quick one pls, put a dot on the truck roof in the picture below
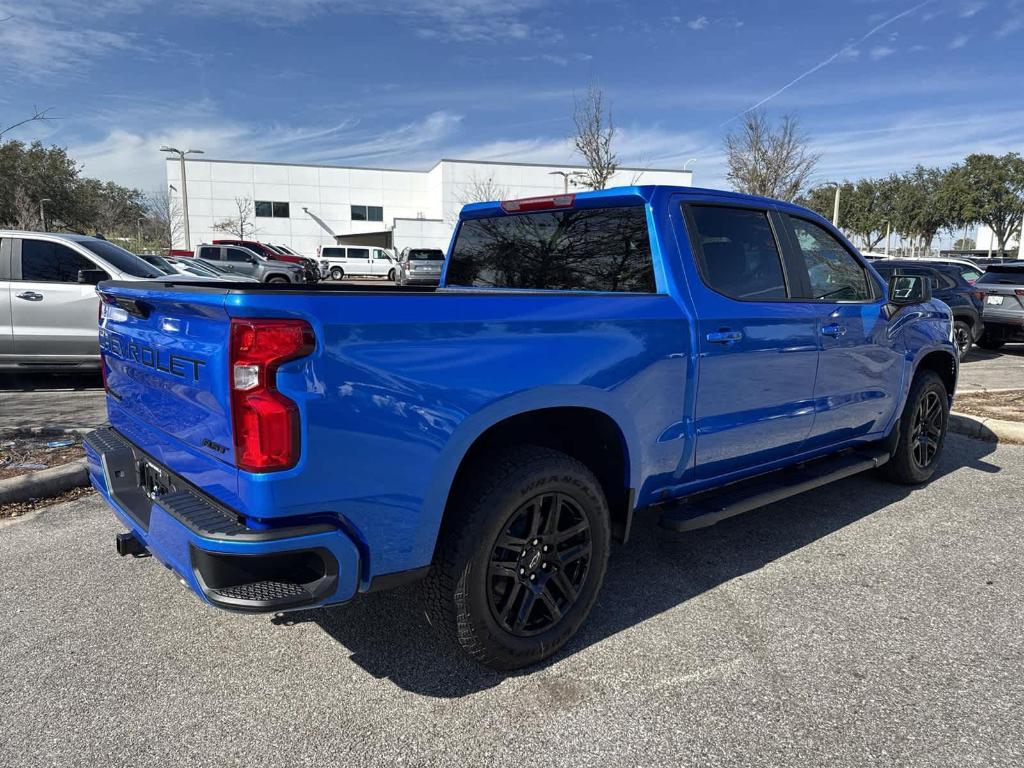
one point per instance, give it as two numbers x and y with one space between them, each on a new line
647 191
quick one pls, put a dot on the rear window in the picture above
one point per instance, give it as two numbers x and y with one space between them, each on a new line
120 259
593 249
332 253
1003 276
426 254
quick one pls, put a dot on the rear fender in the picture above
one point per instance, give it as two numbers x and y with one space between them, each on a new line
475 425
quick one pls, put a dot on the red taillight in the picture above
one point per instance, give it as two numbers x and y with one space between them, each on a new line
266 423
538 203
979 295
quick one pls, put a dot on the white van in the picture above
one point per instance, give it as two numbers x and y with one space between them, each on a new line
339 261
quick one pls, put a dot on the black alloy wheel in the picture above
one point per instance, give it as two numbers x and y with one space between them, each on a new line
538 564
926 432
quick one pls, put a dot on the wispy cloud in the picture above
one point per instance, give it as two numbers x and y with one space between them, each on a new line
881 51
701 22
972 9
838 54
958 42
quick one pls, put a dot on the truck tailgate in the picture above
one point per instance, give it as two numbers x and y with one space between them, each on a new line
166 363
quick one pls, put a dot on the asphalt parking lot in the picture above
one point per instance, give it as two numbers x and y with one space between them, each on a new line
859 624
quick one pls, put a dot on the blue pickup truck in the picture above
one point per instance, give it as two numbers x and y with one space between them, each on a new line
686 353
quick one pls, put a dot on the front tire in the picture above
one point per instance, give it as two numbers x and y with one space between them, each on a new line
963 338
989 342
521 557
391 275
922 431
277 279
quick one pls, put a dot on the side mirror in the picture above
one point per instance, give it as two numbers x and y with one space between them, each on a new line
92 276
905 290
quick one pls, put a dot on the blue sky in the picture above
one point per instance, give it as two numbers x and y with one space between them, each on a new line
879 85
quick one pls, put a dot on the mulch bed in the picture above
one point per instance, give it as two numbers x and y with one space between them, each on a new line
1008 406
22 455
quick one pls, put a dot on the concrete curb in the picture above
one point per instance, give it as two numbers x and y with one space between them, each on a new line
49 431
994 430
45 482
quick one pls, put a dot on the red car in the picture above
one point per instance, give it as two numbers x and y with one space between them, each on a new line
269 252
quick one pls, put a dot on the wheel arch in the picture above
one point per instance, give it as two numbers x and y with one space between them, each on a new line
585 423
943 363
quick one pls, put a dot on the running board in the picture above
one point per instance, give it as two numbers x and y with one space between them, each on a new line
710 507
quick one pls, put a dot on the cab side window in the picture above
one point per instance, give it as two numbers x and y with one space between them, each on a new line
835 274
46 262
236 254
739 257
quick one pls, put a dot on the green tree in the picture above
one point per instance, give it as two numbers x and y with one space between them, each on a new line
988 189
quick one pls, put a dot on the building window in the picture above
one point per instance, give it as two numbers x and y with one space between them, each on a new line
266 209
367 213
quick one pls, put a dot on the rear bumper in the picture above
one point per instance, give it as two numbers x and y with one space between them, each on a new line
226 562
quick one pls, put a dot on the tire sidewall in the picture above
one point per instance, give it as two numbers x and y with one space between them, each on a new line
472 604
961 325
929 382
337 273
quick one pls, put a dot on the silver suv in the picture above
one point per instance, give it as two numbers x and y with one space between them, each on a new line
48 290
238 260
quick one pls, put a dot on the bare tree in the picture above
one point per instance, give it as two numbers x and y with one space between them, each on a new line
241 225
37 115
26 212
595 134
767 161
478 190
165 224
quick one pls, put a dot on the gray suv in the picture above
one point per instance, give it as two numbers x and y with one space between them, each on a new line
48 290
238 260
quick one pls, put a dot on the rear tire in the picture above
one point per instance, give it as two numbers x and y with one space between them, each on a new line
987 341
277 279
963 338
521 557
337 273
391 275
922 431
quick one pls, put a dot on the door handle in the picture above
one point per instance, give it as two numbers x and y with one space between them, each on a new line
30 296
835 330
724 337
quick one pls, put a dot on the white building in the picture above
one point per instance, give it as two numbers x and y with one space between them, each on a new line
305 206
986 240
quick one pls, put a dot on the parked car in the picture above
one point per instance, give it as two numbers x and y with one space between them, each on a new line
209 270
285 249
420 266
686 353
48 300
948 284
271 253
236 260
158 261
338 262
968 269
1004 304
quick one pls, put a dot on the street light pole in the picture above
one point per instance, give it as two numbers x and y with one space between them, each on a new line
691 160
835 207
566 175
888 232
42 211
184 188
